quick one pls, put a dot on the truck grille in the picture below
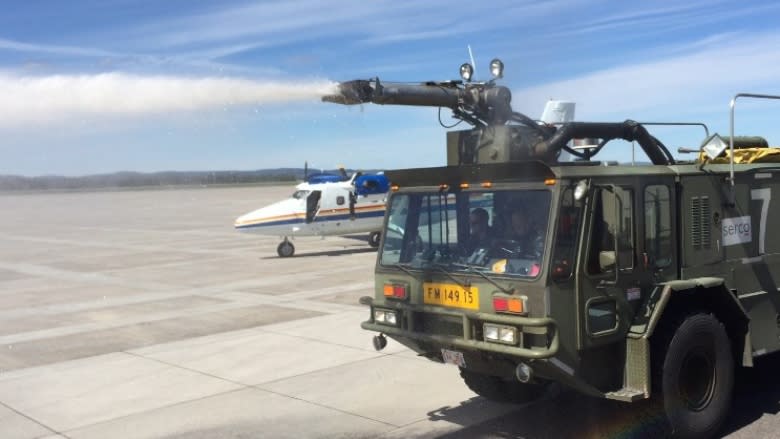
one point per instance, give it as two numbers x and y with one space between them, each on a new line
438 324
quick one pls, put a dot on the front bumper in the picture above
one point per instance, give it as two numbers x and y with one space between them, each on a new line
406 328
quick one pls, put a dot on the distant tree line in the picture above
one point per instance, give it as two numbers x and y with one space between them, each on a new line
139 179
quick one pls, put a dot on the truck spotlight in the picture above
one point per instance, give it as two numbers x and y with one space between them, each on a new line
497 68
466 71
523 373
580 190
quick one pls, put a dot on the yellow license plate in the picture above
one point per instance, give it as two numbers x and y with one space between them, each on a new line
450 295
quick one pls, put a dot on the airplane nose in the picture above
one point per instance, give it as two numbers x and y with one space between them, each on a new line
243 219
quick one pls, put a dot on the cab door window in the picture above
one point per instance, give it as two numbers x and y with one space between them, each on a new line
658 226
612 232
566 236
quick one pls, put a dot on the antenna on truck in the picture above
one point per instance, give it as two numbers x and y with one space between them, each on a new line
471 57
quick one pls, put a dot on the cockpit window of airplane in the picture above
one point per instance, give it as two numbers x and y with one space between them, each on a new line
299 195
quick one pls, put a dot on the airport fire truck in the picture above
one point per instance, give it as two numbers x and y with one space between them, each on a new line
525 261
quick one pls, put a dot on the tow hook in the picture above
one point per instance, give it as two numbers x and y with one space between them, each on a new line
379 342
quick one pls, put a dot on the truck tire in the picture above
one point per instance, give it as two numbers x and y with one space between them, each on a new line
694 375
499 390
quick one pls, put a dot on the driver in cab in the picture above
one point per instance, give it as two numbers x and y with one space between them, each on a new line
524 239
480 236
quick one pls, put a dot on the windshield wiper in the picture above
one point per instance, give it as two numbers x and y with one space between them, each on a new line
471 269
441 268
404 267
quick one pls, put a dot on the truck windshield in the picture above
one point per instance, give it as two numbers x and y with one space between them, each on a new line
501 231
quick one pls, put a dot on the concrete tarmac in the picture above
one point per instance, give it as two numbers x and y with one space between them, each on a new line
143 314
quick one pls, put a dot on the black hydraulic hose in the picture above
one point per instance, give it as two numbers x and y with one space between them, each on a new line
628 130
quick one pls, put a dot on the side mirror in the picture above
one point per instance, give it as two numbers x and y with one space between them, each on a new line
607 260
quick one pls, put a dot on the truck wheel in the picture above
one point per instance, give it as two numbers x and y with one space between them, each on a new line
696 378
497 389
374 238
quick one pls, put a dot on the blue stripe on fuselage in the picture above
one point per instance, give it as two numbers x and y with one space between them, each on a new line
319 219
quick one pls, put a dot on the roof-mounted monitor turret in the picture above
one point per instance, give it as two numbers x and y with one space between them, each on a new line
498 133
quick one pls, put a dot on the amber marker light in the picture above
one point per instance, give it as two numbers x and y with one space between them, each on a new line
464 185
549 181
486 184
444 187
515 305
395 188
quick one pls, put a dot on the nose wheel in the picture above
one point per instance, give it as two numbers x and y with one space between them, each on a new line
285 249
373 239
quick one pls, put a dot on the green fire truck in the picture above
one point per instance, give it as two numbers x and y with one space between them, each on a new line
621 282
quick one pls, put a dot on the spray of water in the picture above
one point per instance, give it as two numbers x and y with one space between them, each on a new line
59 97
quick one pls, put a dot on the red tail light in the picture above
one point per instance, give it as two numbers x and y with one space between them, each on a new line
500 304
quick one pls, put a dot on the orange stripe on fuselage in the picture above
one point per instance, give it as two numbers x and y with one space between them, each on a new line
325 213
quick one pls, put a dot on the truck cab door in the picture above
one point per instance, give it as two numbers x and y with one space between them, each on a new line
612 276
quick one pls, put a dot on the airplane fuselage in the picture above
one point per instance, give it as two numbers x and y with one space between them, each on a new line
332 215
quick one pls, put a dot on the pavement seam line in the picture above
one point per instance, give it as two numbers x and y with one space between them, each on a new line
303 337
178 366
129 415
319 370
368 418
30 418
257 386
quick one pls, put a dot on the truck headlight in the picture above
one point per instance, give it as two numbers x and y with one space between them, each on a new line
500 333
507 335
386 317
491 332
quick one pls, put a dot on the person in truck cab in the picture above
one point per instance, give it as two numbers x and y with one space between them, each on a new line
523 237
480 235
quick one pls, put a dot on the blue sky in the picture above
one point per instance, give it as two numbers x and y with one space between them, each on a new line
95 86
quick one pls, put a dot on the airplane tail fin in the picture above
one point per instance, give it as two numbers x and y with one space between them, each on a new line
559 112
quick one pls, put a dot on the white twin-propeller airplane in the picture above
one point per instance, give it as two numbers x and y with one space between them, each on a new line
335 205
323 205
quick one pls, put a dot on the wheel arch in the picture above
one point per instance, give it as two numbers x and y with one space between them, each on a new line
705 294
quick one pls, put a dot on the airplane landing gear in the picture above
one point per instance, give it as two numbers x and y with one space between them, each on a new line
374 238
285 249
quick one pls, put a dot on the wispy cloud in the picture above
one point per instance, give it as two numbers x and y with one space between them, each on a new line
275 23
19 46
650 19
62 97
704 77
